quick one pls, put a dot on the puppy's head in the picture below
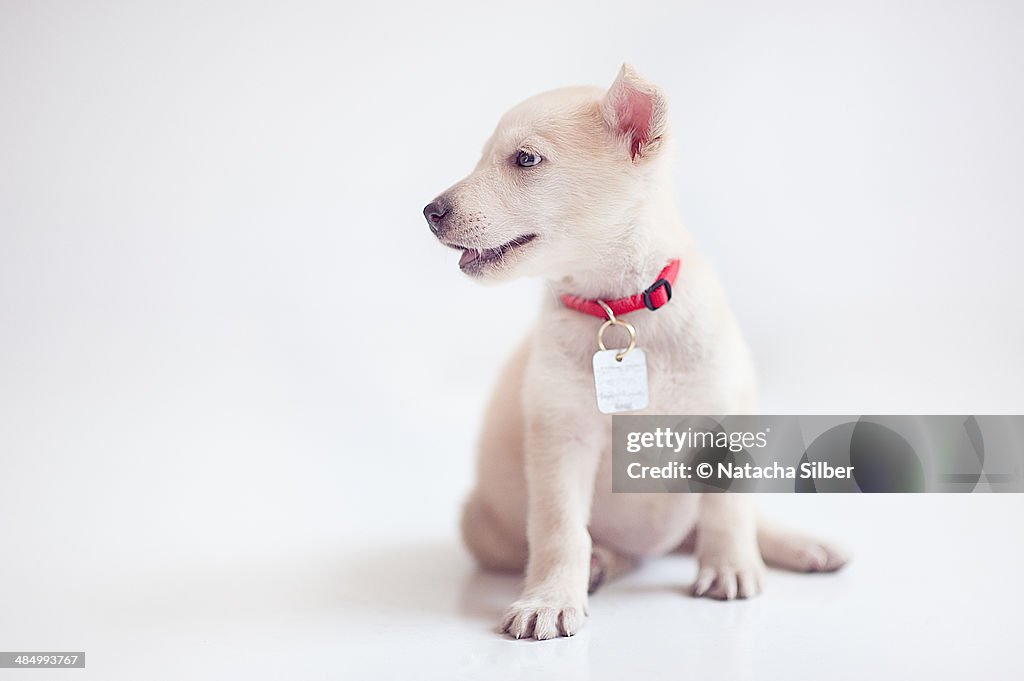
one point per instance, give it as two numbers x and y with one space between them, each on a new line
560 180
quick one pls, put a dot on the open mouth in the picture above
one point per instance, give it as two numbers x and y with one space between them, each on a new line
475 259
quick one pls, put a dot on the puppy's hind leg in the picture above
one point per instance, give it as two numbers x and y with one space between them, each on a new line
607 565
798 552
494 517
493 546
496 548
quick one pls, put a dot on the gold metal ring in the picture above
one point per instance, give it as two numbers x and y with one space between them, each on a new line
617 322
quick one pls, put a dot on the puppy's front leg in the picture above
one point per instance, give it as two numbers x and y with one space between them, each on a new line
562 453
727 549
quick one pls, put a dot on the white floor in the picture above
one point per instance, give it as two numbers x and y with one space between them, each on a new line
935 592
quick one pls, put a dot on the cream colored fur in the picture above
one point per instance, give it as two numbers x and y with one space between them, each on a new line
605 224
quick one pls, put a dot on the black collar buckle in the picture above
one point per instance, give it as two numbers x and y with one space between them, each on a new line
648 303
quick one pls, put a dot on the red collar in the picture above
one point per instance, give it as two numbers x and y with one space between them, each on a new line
652 297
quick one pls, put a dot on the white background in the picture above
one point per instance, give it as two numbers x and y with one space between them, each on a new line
240 382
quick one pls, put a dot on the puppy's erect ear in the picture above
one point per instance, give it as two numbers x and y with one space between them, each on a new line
636 110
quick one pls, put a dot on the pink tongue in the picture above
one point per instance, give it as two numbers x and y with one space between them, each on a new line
468 256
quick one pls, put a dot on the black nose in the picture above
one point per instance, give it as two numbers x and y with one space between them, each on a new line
435 213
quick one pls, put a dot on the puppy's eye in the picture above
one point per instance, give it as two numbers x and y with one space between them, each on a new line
527 159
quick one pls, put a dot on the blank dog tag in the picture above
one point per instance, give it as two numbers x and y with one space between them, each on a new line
621 386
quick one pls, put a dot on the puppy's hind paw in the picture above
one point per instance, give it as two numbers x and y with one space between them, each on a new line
542 618
814 556
800 553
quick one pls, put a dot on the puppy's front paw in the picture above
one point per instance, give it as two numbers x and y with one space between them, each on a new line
728 576
544 617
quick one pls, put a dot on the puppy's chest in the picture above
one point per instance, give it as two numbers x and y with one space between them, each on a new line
673 366
669 380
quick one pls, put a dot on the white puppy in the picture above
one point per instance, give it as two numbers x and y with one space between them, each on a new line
575 186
